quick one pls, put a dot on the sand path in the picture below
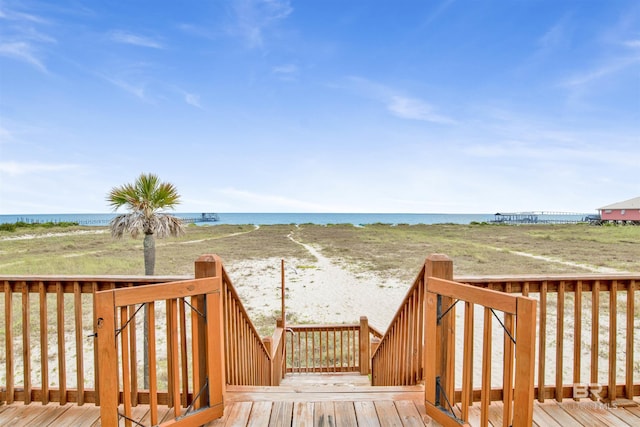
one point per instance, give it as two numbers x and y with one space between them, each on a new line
324 291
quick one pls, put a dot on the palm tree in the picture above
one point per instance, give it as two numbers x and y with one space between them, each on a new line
146 199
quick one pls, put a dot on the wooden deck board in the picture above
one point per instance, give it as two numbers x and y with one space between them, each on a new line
346 414
626 416
324 414
302 414
387 413
75 415
260 414
366 414
281 414
239 414
541 418
339 412
559 414
408 413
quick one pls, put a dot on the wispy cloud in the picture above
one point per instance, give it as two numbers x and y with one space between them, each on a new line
633 44
557 36
5 135
415 109
399 104
618 50
286 71
21 40
126 37
137 90
192 99
439 10
254 17
23 51
13 15
603 70
25 168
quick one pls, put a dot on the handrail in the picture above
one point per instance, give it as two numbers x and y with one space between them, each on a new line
60 300
323 348
248 361
69 300
199 388
397 359
519 315
594 300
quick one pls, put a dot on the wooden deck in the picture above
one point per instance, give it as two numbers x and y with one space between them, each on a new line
327 400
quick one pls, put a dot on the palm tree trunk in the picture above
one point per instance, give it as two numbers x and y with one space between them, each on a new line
149 268
149 254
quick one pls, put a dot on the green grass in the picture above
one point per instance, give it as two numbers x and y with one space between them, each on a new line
393 251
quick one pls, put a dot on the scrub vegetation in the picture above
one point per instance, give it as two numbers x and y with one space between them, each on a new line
389 250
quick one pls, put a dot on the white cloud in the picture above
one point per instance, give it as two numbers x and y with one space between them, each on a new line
415 109
633 44
398 104
136 90
25 168
286 71
192 99
5 135
254 17
21 38
134 39
555 37
602 71
23 51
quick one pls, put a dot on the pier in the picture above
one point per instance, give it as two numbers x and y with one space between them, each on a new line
543 217
69 219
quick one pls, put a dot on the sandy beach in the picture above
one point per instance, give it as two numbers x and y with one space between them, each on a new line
324 291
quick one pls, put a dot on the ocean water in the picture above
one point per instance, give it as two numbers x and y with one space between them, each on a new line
274 218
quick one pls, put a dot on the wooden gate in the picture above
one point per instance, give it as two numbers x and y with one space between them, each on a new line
202 369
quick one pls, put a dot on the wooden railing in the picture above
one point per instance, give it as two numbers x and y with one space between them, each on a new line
398 359
195 353
328 348
518 351
595 315
574 330
248 361
44 362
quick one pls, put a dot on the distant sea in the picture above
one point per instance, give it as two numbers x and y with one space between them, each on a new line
288 218
273 218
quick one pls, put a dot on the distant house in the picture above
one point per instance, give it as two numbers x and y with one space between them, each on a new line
629 210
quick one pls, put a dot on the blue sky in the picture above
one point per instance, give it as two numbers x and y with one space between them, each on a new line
320 105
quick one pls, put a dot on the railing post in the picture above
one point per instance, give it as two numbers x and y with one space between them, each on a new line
441 266
525 362
215 367
107 354
205 266
365 350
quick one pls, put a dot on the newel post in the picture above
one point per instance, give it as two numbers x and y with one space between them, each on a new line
365 349
525 362
439 333
208 266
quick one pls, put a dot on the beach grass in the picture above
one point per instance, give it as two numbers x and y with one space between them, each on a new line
394 251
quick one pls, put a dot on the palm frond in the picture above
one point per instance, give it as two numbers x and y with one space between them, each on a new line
131 223
145 199
167 225
147 194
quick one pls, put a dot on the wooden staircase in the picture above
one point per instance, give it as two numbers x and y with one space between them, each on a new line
325 399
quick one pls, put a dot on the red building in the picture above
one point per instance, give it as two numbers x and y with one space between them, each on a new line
629 210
